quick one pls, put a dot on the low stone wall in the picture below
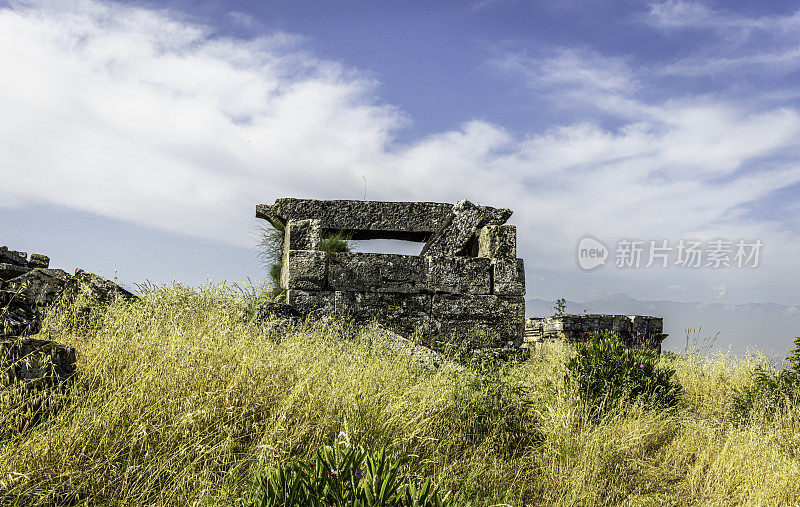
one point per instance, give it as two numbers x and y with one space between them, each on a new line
638 331
467 280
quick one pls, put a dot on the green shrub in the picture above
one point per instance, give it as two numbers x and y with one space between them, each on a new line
341 476
605 372
769 391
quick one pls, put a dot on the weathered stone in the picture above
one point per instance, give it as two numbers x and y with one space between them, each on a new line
304 269
17 316
39 261
13 257
361 272
425 357
404 313
460 226
497 319
637 331
302 235
40 286
100 289
311 304
508 277
9 271
459 275
272 310
498 242
414 221
35 362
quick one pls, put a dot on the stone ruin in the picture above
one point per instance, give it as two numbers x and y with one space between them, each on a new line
28 287
466 282
637 331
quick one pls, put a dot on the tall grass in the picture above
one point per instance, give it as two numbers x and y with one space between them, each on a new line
180 398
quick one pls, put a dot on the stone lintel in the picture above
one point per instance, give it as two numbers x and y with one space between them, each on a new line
371 272
412 221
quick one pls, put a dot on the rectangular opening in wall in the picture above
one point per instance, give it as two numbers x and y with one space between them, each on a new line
386 246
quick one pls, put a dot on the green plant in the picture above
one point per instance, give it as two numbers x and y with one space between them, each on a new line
560 307
769 391
335 242
341 475
270 246
605 371
271 250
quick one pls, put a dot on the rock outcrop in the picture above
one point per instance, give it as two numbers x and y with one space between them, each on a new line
28 287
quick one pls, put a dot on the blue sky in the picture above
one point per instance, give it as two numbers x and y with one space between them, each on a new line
136 138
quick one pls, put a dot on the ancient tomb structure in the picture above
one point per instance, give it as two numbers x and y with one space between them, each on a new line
466 281
636 331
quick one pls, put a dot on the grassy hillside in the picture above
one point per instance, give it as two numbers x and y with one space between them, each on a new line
180 399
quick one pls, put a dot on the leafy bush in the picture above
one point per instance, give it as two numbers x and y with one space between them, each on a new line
770 391
341 476
605 371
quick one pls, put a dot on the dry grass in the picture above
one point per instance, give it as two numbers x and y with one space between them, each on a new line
180 398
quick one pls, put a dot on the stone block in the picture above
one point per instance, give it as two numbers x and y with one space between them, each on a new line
9 271
370 272
40 287
498 242
311 304
13 257
508 277
404 313
302 235
459 275
414 221
304 269
497 319
39 261
460 226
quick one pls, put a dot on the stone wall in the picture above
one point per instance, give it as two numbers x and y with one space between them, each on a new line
467 281
637 331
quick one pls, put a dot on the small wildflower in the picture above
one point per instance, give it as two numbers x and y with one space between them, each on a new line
359 473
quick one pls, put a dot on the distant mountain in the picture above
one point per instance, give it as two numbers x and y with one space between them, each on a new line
768 327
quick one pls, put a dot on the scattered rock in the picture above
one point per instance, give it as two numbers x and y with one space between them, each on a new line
271 310
37 363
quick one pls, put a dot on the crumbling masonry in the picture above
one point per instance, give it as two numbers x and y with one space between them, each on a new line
467 280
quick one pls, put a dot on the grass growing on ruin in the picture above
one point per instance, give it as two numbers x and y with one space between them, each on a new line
180 399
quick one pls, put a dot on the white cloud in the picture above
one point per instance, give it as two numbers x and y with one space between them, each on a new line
143 116
676 287
761 44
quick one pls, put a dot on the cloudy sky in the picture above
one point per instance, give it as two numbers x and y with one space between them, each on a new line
136 138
